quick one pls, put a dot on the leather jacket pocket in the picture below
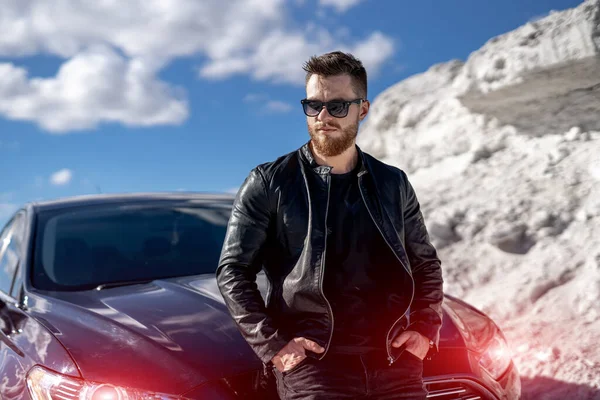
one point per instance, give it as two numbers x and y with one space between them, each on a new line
410 355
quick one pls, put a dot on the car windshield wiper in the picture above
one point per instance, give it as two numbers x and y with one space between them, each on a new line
124 283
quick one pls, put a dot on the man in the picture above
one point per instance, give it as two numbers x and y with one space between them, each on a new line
354 304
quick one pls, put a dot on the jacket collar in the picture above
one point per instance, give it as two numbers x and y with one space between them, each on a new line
307 156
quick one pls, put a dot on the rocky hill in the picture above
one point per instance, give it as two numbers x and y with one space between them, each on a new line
504 152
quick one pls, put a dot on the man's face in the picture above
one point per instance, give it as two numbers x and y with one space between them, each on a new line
330 135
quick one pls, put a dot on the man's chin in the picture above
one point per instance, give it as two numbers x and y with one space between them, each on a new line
329 148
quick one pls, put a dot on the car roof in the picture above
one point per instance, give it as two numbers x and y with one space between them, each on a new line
128 198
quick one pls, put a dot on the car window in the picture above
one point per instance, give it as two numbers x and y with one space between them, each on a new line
83 248
10 245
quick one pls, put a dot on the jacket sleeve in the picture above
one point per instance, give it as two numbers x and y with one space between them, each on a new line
426 308
241 261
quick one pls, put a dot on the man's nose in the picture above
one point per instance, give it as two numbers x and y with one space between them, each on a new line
324 115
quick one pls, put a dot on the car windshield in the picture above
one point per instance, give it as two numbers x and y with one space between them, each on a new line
82 248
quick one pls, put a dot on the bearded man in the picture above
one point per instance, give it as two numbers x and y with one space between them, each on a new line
355 285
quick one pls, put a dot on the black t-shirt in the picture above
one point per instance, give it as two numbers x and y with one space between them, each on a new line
356 261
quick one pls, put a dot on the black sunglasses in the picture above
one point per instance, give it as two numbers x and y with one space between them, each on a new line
335 108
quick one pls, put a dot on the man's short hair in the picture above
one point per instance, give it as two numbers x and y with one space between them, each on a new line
339 63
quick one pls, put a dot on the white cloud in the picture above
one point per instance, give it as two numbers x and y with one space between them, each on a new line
262 102
224 68
340 5
280 55
162 29
114 50
252 97
62 177
278 106
95 86
374 51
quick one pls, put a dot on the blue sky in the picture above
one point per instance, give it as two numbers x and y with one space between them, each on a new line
129 97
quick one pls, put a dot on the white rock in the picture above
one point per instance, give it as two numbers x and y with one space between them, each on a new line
594 168
582 216
525 169
557 155
573 134
541 219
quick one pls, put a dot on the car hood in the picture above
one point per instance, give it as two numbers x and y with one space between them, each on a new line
166 336
176 334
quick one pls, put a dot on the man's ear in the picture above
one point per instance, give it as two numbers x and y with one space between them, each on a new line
364 109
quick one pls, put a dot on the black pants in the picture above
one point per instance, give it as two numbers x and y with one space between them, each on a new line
341 376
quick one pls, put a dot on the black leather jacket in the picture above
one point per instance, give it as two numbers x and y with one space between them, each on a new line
278 224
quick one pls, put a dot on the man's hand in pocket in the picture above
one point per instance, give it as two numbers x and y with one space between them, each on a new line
416 343
294 352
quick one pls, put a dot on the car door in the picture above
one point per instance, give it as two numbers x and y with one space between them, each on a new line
10 254
11 355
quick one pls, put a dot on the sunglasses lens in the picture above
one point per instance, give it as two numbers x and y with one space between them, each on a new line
337 109
312 108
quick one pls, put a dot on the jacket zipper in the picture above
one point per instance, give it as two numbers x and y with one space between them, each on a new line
323 269
387 346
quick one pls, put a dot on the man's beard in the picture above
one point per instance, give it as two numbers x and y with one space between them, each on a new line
328 146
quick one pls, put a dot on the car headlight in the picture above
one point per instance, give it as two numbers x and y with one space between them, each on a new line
496 358
47 385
